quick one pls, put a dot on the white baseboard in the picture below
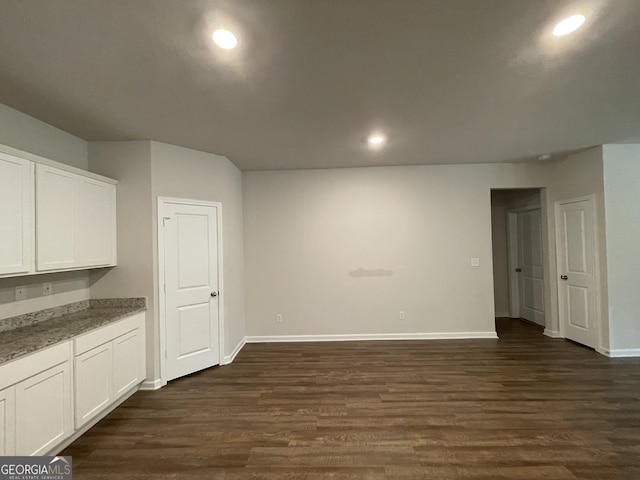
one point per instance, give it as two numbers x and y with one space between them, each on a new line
371 336
152 384
230 358
552 333
621 352
501 314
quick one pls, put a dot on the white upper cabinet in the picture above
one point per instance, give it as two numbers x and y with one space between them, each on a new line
95 215
16 215
53 217
75 219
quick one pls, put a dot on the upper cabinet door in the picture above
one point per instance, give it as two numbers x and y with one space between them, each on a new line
95 222
55 219
16 215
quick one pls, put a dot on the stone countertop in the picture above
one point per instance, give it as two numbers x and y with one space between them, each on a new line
32 337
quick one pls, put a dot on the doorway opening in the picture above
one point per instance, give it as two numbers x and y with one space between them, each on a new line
518 263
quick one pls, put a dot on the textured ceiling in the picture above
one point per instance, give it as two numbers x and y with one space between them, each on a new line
449 81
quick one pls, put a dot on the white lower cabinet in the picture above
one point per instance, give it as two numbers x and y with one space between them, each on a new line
36 410
128 361
109 362
43 410
8 421
93 382
44 394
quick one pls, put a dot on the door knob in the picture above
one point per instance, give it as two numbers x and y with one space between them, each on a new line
214 294
564 277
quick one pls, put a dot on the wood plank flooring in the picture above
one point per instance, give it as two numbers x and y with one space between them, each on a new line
521 407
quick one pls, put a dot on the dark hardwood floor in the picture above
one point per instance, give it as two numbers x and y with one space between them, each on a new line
521 407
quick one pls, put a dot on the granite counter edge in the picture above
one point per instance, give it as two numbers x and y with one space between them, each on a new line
84 327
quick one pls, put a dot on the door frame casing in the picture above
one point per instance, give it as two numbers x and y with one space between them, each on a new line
512 257
596 266
162 301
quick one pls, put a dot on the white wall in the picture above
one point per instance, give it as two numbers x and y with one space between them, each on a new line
185 173
23 132
145 171
26 133
66 287
344 251
130 164
622 206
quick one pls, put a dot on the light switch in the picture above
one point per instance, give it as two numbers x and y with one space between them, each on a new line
475 262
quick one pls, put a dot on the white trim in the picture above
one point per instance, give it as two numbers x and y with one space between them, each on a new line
153 384
512 262
502 314
620 352
230 358
552 333
162 201
371 336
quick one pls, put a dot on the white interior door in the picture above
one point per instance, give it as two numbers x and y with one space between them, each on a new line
530 274
189 237
576 262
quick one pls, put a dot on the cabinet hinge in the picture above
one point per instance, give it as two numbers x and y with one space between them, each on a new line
164 220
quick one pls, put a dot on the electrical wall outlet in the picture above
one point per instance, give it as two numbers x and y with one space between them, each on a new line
47 289
21 293
278 318
475 262
401 315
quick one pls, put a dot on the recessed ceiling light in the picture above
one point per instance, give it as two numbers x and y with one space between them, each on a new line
225 39
568 25
376 140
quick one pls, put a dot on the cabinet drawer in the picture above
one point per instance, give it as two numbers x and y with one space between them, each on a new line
105 334
25 367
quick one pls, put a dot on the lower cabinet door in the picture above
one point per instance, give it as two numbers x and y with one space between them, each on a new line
8 422
128 362
93 383
43 410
